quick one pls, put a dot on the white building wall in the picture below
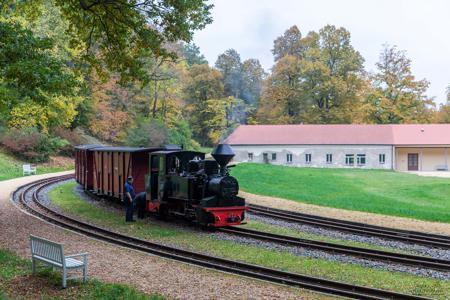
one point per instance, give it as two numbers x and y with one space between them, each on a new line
318 155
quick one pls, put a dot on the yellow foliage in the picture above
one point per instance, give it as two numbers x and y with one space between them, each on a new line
60 112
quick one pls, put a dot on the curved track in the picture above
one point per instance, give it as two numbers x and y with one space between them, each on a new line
414 237
28 198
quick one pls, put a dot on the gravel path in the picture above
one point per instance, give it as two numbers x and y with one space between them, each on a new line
147 273
342 214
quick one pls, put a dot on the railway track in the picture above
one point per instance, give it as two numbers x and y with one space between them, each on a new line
28 198
379 255
414 237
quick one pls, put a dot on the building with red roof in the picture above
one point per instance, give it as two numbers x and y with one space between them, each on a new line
413 147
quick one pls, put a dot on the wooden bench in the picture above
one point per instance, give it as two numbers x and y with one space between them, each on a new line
28 170
51 253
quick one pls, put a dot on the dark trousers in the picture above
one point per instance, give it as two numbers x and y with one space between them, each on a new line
140 205
129 211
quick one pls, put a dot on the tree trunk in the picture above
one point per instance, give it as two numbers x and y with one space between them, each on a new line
155 100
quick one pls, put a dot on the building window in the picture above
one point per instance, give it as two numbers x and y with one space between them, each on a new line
349 159
289 158
265 157
361 159
274 156
250 156
308 158
382 158
329 158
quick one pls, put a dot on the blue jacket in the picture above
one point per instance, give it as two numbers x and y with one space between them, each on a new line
129 189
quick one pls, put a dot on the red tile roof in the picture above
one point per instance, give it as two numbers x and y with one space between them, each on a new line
348 134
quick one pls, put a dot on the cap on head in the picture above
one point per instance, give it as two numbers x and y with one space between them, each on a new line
130 178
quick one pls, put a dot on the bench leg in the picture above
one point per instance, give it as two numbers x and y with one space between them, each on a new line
64 279
85 273
33 266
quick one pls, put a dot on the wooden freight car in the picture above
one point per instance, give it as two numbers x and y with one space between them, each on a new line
113 165
84 165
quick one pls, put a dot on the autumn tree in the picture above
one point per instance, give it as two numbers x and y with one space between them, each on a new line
316 79
229 63
37 89
192 55
397 96
280 101
253 75
443 114
290 43
111 106
118 34
206 103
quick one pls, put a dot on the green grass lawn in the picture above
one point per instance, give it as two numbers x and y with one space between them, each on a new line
377 191
47 284
65 197
11 167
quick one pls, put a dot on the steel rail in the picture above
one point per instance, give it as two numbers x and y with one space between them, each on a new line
384 256
415 237
235 267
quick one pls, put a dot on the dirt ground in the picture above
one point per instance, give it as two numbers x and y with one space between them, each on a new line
149 274
356 216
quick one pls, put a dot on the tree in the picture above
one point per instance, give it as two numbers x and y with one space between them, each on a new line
36 87
118 34
206 105
252 79
191 52
443 115
397 96
111 108
288 44
332 73
316 79
229 63
242 82
152 133
280 100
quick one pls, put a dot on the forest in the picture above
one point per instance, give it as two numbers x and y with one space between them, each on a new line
128 73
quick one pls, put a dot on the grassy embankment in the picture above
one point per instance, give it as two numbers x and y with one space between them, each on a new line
15 273
199 241
11 167
377 191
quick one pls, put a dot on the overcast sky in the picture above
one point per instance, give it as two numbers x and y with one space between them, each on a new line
421 27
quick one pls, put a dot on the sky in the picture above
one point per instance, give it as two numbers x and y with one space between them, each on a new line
421 27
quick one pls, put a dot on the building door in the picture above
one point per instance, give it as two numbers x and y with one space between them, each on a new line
413 161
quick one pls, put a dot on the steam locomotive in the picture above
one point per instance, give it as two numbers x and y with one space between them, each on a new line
176 182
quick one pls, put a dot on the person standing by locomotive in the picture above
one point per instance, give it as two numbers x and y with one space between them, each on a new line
130 194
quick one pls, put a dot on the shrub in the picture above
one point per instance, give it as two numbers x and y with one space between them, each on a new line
31 145
71 136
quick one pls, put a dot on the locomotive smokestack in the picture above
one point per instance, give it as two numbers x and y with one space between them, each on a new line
222 154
